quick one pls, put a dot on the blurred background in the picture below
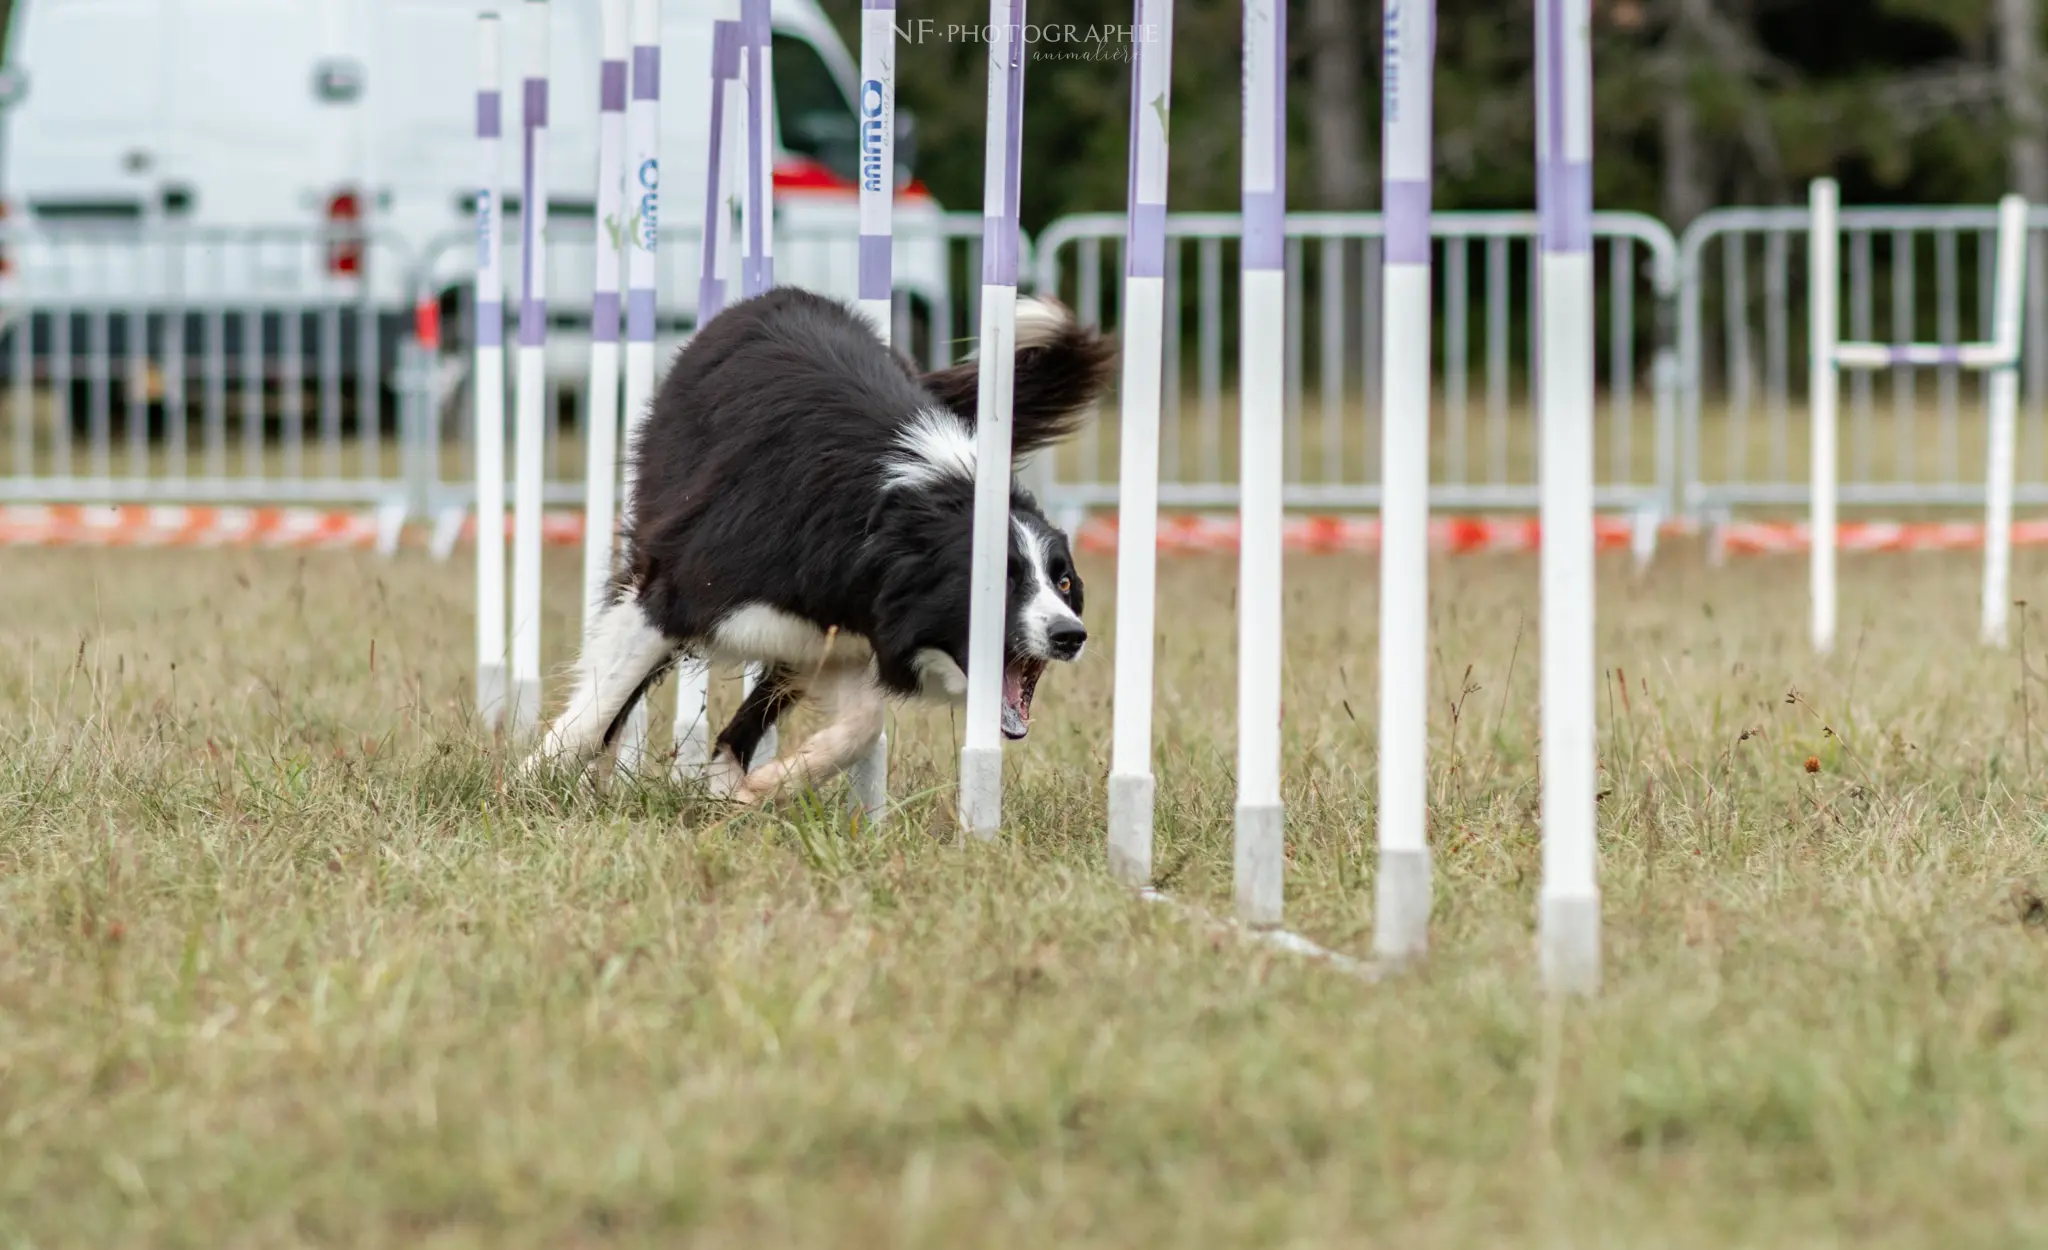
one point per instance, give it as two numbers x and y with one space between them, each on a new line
237 238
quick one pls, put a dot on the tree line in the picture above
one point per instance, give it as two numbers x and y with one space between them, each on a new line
1698 103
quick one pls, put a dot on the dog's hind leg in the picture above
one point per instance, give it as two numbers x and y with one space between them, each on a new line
854 703
778 690
623 654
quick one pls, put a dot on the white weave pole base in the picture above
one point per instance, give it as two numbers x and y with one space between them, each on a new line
1279 939
1130 824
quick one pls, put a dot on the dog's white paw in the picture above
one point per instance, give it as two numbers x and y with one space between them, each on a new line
723 776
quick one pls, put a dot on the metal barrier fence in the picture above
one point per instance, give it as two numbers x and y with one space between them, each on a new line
1484 453
165 365
936 318
1907 439
177 365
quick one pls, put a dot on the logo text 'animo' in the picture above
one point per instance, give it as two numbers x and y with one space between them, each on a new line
872 132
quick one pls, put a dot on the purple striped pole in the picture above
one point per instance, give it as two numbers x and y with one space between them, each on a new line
1144 342
877 121
717 241
1824 290
531 415
692 724
1260 828
601 423
1568 916
1401 883
757 271
489 372
981 752
757 205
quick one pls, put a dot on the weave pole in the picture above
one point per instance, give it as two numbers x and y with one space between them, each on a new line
601 420
1131 783
692 727
1402 882
530 436
1824 383
869 776
715 267
757 215
1258 854
1568 916
489 374
981 751
643 219
2010 306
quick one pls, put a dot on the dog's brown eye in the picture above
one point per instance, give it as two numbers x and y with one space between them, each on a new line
1066 584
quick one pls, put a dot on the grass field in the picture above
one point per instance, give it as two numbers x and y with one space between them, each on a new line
286 958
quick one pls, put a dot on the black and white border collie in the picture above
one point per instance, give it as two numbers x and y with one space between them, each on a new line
805 501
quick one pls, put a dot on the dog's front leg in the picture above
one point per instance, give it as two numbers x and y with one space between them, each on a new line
622 654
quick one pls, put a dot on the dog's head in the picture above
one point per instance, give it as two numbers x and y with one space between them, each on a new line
1063 370
1042 617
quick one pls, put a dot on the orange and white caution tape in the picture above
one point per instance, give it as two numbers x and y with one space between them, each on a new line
156 525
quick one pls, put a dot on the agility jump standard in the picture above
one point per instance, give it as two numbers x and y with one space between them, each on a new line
1829 356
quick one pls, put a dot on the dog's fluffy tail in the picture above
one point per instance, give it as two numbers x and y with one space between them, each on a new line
1063 370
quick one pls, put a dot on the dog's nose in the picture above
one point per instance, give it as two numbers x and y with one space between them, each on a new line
1065 638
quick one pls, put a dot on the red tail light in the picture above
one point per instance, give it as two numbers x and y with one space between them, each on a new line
344 254
6 257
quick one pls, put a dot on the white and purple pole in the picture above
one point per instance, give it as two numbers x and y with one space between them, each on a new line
643 218
489 372
715 265
757 273
981 751
1402 883
601 473
529 440
1568 913
692 725
1259 859
1144 341
870 774
1824 293
2009 309
757 210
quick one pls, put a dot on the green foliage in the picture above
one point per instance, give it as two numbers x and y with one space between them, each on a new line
1889 95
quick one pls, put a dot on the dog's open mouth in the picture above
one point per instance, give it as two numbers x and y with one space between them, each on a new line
1020 678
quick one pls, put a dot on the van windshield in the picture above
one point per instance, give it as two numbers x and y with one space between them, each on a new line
812 111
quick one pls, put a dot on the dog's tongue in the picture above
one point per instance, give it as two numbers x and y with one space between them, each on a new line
1016 705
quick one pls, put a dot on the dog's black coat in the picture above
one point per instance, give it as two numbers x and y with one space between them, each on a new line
763 476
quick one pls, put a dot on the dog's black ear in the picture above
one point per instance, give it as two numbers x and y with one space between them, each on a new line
1063 370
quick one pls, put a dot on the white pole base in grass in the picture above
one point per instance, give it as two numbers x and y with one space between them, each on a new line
1279 939
1259 863
490 694
869 778
981 791
1130 828
1568 942
1400 927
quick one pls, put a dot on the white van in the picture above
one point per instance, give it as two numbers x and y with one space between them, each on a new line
251 129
